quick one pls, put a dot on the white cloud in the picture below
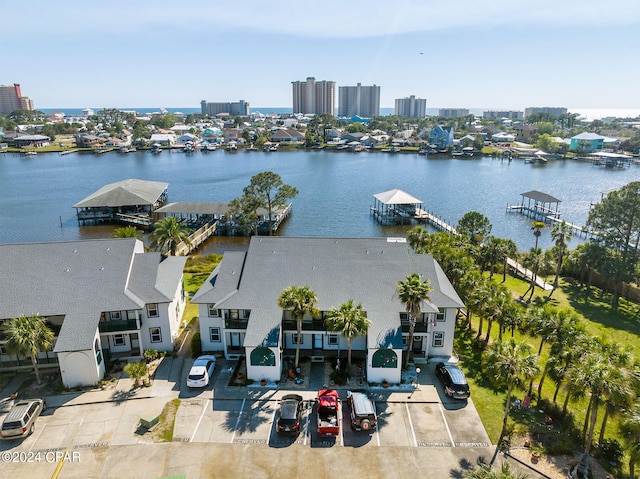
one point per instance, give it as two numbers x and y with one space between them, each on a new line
327 19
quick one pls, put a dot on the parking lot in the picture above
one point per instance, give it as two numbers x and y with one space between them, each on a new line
246 417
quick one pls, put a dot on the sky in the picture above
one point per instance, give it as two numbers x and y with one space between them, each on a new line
495 54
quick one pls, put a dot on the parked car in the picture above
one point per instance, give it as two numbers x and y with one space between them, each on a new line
362 411
453 380
201 372
290 414
328 412
20 421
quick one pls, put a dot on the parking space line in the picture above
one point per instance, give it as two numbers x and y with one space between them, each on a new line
33 442
204 409
413 433
377 431
233 436
446 424
306 423
273 418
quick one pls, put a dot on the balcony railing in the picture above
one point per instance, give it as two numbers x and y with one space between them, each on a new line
236 323
315 325
118 325
420 327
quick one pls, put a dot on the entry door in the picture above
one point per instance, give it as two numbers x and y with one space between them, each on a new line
317 341
417 344
235 340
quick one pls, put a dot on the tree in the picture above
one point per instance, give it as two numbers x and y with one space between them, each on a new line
412 292
269 192
630 428
561 235
533 261
474 226
616 222
167 234
510 364
485 471
350 321
26 335
127 232
136 371
300 301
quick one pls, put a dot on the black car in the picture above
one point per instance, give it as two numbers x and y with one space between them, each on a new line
290 414
453 380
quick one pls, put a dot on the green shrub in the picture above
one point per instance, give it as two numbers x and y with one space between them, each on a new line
196 344
610 450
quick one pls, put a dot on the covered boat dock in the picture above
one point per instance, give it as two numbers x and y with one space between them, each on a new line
539 206
132 202
397 207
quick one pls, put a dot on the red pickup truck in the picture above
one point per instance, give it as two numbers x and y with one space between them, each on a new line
328 403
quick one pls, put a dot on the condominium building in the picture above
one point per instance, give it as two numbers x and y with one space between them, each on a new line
313 97
551 110
411 106
11 99
453 112
239 108
363 101
498 114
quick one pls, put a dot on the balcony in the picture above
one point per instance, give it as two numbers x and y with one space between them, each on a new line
315 325
236 323
118 325
420 327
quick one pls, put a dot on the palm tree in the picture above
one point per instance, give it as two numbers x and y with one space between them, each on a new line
168 233
561 234
350 321
511 365
127 232
537 226
533 261
26 335
485 471
301 301
412 292
630 428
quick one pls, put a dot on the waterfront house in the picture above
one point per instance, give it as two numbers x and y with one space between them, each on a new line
286 136
86 140
163 139
441 136
31 141
525 133
587 142
503 138
103 299
239 313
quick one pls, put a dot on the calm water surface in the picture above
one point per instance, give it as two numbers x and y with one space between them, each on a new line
336 189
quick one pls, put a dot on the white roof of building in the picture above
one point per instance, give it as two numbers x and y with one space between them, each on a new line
396 197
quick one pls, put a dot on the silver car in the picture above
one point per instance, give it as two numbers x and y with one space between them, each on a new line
20 422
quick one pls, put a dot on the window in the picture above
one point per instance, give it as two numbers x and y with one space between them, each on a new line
295 339
152 310
246 313
438 339
333 339
440 315
156 335
118 340
214 335
131 314
213 312
233 314
114 316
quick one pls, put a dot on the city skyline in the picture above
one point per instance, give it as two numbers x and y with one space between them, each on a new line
503 55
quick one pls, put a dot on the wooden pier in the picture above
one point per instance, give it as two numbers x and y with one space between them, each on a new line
196 239
433 220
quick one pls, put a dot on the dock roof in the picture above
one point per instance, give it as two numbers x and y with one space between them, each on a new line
125 193
397 197
540 196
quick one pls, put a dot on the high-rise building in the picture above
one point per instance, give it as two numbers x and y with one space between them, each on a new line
363 101
551 110
453 112
498 114
411 106
313 97
239 108
11 99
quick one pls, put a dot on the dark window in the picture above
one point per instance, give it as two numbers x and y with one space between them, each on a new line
214 335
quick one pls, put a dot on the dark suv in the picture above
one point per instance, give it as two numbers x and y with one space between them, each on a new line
363 413
453 380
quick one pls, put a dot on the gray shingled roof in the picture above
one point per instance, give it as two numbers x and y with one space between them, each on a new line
125 193
79 280
337 269
540 196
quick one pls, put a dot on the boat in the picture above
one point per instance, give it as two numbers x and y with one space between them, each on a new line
232 146
155 148
188 147
467 151
456 153
30 153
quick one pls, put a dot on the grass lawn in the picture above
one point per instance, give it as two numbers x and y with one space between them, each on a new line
621 326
